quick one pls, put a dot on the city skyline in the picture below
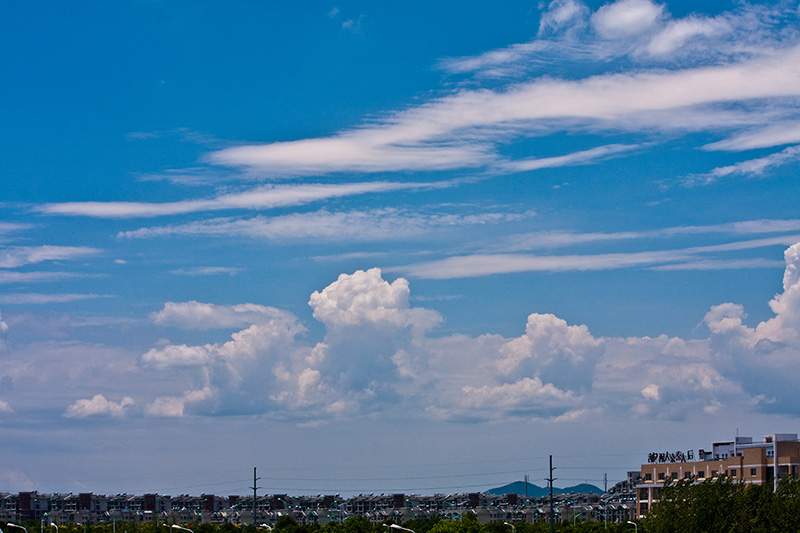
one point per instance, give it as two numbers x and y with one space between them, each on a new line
392 248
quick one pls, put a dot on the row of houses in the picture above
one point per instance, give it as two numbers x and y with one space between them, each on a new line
742 459
88 508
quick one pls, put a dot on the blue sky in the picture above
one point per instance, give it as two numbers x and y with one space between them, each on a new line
382 247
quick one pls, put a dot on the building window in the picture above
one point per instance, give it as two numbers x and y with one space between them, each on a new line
674 475
701 474
714 473
733 472
648 477
753 471
660 476
687 475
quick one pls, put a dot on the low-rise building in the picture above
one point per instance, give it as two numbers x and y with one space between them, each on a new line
741 459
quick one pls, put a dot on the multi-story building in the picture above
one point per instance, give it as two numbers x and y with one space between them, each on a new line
744 461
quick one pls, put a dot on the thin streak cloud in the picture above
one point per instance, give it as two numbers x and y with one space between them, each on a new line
266 197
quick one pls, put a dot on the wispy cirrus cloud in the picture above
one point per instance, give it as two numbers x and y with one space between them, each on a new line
370 225
265 197
8 277
750 168
14 257
463 130
45 299
205 271
639 30
563 238
477 265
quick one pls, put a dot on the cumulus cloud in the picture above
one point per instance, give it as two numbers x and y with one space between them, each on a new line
5 407
556 352
379 354
237 376
178 406
372 334
98 406
366 298
763 359
626 18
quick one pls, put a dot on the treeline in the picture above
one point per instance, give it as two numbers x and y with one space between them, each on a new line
287 524
721 505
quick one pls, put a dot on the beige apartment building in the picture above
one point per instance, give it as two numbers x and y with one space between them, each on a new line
745 461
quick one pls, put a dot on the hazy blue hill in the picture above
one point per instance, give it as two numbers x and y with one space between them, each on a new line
535 491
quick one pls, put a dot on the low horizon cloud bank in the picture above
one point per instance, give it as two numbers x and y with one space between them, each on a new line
381 354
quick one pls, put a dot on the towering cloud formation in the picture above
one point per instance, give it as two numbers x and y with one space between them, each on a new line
378 354
764 359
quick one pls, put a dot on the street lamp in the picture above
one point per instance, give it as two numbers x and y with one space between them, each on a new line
174 526
636 527
575 518
54 525
400 528
509 524
9 524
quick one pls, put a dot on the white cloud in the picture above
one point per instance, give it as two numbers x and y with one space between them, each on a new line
26 255
424 137
752 168
584 157
763 359
197 315
528 396
364 297
562 13
98 406
626 18
43 299
34 277
179 355
178 406
785 132
205 271
264 197
678 32
379 354
5 407
477 265
371 225
554 351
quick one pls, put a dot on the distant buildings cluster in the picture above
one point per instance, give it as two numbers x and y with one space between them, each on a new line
88 508
742 459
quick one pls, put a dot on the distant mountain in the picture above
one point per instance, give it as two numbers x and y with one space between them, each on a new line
535 491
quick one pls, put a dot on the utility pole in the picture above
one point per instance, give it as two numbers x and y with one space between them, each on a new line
552 513
255 488
605 503
526 486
